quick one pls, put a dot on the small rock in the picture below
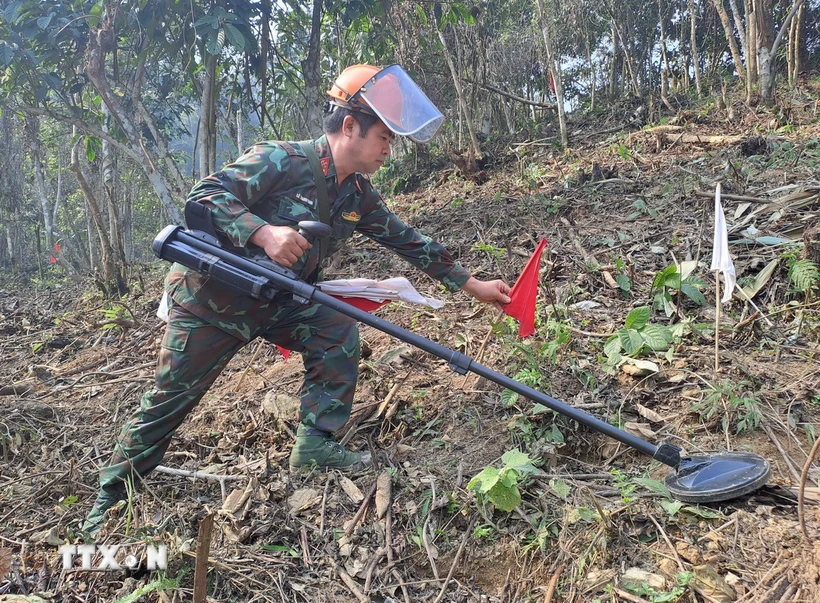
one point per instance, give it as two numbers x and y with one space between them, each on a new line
281 406
636 576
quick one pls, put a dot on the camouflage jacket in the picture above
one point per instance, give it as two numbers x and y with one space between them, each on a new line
272 183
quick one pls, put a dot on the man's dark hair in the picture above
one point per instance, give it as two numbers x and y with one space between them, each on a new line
333 121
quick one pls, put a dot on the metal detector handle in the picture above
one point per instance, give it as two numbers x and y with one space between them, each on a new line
316 230
176 245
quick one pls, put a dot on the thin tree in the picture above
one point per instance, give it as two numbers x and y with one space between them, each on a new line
554 64
730 38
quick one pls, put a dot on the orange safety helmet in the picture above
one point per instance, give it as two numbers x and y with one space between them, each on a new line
390 94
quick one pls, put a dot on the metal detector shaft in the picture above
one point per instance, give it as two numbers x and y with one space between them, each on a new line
171 245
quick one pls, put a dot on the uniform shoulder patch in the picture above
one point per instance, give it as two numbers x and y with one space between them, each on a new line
325 161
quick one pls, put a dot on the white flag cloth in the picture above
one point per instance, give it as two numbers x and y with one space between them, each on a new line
721 260
398 288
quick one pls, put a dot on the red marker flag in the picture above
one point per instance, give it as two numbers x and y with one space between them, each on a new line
53 260
522 296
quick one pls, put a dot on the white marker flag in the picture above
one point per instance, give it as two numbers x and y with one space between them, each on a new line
721 260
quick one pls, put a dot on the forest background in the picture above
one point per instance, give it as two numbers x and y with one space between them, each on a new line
110 111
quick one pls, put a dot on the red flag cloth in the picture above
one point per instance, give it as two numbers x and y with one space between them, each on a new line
53 260
57 247
368 305
522 296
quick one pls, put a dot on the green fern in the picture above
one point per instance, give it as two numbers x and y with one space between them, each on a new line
805 276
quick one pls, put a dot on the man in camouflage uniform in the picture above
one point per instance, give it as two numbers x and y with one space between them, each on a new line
258 200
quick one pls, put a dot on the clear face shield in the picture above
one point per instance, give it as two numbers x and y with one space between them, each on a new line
396 99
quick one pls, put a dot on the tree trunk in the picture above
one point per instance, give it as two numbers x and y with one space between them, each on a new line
114 232
730 38
33 126
310 72
625 47
554 62
206 130
461 102
693 41
263 61
768 47
613 66
110 272
796 45
741 31
665 57
101 41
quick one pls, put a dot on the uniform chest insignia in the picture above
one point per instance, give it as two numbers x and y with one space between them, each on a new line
351 216
325 161
305 200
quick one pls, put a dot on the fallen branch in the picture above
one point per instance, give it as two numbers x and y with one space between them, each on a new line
706 139
201 475
708 195
553 583
802 491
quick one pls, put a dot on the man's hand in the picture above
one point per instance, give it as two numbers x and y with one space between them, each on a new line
282 244
490 292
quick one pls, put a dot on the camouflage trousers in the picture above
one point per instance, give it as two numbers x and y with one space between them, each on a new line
194 353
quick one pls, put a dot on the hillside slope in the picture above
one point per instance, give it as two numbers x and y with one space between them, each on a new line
593 522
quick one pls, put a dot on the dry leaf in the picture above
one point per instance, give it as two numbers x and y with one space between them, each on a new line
5 562
712 585
383 493
302 499
639 368
351 489
649 414
235 500
688 552
673 377
639 429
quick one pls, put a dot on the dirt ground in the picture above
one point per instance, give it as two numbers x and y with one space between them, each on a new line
593 522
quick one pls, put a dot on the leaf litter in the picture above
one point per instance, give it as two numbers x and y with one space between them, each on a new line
593 519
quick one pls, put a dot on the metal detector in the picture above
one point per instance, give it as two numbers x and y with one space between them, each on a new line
709 477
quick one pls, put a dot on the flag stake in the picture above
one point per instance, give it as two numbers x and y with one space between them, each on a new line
717 321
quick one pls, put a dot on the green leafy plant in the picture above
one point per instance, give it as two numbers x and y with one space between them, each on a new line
623 152
743 411
159 585
624 484
115 316
491 250
674 281
804 275
682 581
637 337
500 486
281 548
623 280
